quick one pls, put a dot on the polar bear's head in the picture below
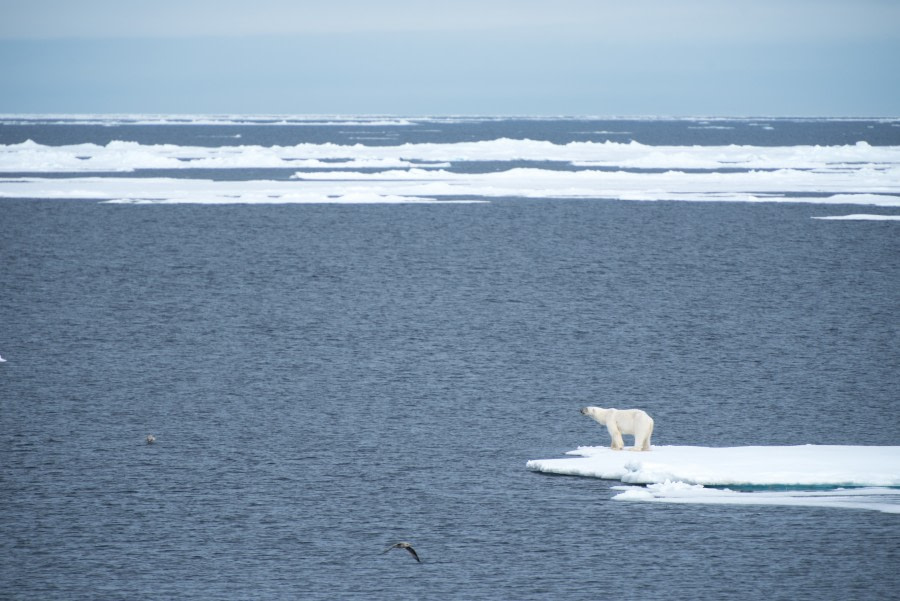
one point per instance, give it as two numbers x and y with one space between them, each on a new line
595 412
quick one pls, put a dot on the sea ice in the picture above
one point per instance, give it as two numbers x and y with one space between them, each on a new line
886 500
852 174
681 473
877 189
128 156
861 217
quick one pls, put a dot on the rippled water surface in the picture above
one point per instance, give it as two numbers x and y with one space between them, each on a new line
325 380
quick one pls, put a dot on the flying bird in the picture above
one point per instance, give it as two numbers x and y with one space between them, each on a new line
404 545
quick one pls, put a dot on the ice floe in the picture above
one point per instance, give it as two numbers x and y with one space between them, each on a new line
860 217
886 500
128 156
773 474
859 174
877 188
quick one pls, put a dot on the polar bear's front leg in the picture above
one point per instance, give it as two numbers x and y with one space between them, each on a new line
617 443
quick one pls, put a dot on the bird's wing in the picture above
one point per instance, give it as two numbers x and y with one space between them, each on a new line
414 554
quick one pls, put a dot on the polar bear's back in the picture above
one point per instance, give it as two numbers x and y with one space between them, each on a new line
625 419
630 420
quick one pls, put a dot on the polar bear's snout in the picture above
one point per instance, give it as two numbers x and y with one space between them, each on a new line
583 411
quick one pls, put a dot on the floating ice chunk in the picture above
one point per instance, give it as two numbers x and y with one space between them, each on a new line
382 163
440 184
807 465
861 217
674 474
195 191
879 200
877 499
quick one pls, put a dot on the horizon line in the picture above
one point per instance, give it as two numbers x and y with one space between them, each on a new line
413 116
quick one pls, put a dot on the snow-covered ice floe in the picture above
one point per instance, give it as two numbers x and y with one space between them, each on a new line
857 477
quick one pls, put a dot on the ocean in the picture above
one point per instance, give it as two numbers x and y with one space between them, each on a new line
345 332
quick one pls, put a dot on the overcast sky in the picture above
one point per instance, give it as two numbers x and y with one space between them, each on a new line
501 57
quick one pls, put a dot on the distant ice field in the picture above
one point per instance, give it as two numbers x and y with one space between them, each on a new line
379 120
118 155
858 173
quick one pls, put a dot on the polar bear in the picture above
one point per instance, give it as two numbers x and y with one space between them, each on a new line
624 421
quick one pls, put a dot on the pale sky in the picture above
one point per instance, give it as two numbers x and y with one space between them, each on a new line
403 57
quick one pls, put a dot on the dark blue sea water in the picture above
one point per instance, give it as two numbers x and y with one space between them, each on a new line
324 380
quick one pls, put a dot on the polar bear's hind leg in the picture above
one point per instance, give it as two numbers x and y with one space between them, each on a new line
642 442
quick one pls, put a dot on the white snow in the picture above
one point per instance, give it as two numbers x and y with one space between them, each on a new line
681 473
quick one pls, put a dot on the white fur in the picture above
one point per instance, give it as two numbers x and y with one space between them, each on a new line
624 421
